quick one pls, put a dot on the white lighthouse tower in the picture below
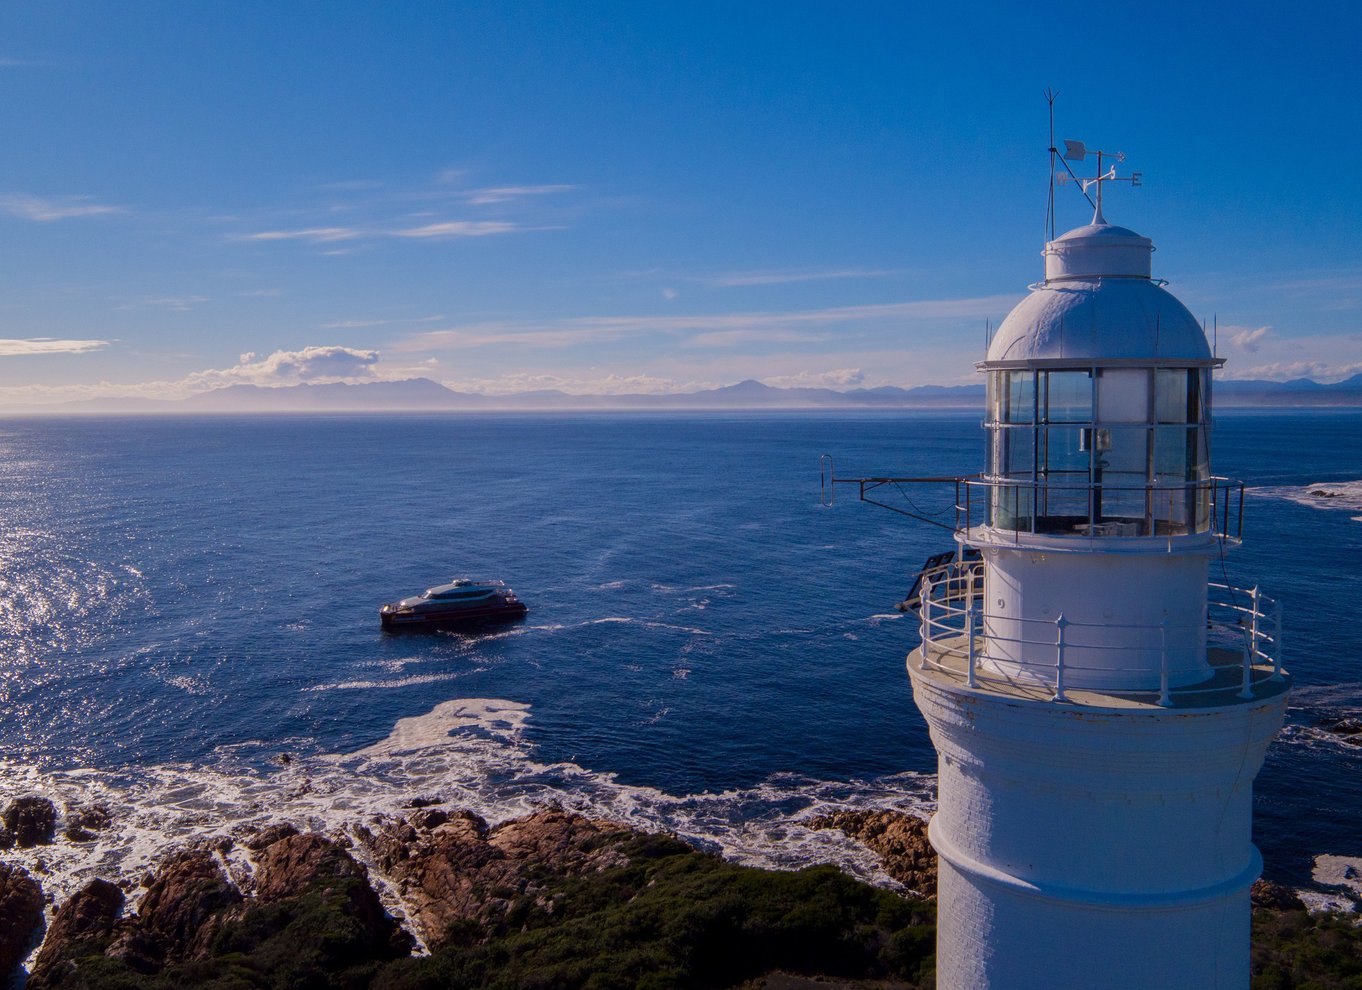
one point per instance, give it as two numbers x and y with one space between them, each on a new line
1100 704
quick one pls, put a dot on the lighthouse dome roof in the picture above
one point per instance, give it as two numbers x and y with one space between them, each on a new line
1099 304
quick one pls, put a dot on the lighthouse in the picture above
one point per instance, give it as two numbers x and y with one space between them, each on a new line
1099 697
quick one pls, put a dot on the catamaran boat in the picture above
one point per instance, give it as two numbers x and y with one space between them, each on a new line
456 605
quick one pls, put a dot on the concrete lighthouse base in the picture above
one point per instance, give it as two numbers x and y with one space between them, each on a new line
1091 845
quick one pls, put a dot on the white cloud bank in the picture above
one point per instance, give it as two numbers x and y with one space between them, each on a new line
1248 339
308 365
839 378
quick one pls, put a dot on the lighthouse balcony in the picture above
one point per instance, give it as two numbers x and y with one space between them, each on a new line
1235 648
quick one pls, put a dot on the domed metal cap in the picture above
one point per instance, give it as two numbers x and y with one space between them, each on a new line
1098 250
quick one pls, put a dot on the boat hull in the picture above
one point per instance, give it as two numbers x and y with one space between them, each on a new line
397 620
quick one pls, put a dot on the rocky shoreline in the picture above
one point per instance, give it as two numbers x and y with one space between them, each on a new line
552 899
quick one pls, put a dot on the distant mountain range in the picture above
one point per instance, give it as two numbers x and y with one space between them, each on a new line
424 395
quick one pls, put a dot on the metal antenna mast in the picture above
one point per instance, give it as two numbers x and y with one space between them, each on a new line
1050 95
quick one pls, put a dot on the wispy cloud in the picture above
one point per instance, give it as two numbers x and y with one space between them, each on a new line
180 304
317 235
45 209
362 324
49 345
755 335
442 230
725 329
782 278
503 194
457 228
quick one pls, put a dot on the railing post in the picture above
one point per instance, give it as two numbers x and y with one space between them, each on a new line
1277 643
1165 700
925 612
1246 686
969 625
1060 624
1255 598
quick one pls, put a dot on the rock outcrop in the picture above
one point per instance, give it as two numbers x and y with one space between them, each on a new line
28 821
21 916
185 893
899 839
308 891
452 870
1266 894
296 864
84 925
83 821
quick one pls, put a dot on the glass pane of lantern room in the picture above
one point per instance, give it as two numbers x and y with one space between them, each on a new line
1064 468
1123 395
1021 396
1068 396
1123 459
1170 396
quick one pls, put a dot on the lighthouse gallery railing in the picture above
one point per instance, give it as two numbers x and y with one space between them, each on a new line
1244 622
1020 506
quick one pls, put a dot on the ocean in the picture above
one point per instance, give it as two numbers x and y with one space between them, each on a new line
189 629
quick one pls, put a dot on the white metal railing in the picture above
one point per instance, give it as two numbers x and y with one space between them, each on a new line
954 639
1095 508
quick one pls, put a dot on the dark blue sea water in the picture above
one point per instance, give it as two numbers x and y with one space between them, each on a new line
185 601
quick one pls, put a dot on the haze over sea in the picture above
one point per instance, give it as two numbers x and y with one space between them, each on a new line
189 628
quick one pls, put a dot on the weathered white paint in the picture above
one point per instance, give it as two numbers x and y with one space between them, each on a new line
1115 604
1085 846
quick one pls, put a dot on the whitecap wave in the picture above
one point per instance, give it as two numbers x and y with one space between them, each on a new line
395 682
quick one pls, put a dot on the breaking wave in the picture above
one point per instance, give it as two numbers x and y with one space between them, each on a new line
1336 495
469 753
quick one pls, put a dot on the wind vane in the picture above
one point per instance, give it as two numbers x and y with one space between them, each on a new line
1075 151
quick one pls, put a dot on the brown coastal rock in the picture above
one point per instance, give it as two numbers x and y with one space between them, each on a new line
29 821
269 835
452 869
1266 894
83 926
186 891
899 839
21 916
295 864
83 821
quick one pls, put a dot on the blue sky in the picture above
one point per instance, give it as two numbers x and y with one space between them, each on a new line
608 197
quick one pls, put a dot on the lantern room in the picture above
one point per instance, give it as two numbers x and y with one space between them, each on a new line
1098 406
